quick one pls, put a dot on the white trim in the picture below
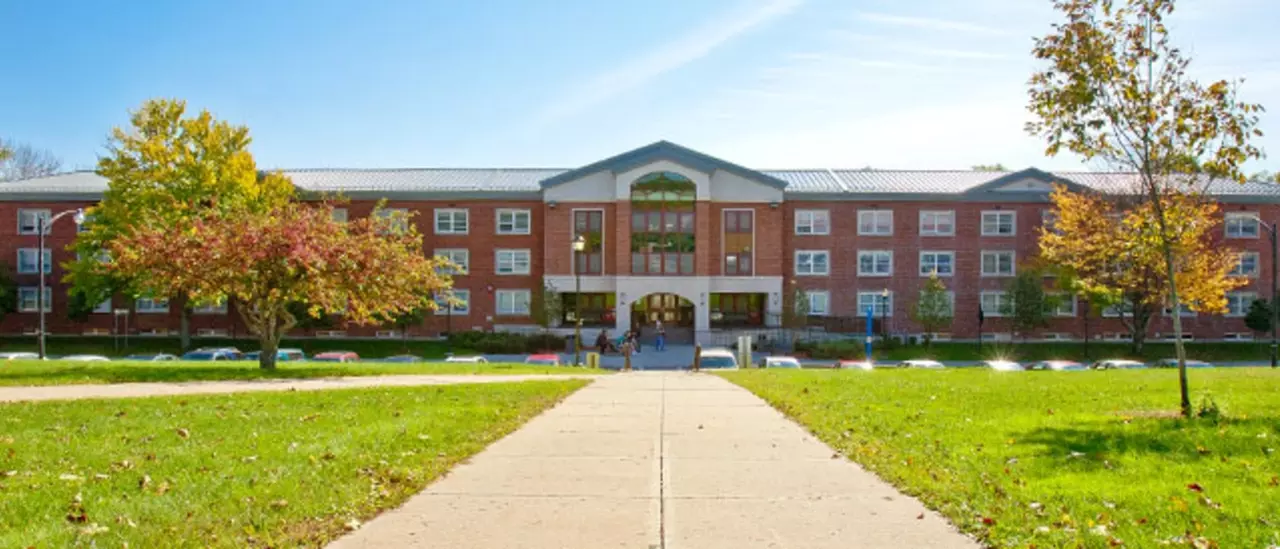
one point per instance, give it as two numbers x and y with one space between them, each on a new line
435 220
874 263
1013 264
443 309
528 263
920 227
1250 216
997 312
34 292
1057 313
35 269
826 295
47 213
982 222
722 239
880 302
796 222
1244 306
876 214
448 253
1257 265
497 302
795 262
515 212
604 242
949 253
152 308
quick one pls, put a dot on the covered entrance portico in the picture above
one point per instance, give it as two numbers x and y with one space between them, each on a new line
676 313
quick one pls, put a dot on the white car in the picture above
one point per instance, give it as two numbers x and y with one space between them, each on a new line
19 356
1003 365
865 365
780 362
86 358
923 364
718 359
467 359
1117 364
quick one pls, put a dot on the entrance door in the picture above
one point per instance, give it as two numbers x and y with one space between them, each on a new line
675 312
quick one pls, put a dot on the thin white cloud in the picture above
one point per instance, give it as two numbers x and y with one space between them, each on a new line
952 53
670 56
929 23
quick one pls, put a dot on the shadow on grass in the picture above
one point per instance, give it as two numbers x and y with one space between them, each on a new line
127 374
1104 445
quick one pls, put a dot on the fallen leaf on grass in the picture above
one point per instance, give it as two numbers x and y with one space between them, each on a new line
280 503
309 417
94 529
1195 487
163 488
144 482
184 433
988 521
7 474
69 476
351 524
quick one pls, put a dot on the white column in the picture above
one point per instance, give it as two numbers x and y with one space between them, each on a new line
773 309
701 318
622 314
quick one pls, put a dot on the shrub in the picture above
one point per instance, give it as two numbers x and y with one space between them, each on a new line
506 343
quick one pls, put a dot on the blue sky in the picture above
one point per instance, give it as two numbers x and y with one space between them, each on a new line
767 83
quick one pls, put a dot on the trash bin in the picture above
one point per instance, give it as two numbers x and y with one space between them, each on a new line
593 360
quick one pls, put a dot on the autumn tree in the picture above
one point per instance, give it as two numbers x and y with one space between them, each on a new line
1028 306
997 167
22 161
1117 90
933 311
546 307
165 170
292 253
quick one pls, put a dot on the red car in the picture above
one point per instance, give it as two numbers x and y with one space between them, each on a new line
336 356
543 360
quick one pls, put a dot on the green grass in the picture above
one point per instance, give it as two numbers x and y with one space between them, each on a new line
260 470
1257 351
1057 459
60 372
106 345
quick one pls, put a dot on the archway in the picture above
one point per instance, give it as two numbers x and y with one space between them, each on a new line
676 313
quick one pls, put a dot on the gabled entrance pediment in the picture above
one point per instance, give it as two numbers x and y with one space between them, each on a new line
611 179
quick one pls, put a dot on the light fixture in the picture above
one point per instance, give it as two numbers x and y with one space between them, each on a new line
774 204
885 293
580 243
552 204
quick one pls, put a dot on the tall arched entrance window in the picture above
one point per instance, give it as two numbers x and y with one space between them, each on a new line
662 222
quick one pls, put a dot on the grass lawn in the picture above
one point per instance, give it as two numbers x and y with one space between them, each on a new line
1057 459
261 470
58 372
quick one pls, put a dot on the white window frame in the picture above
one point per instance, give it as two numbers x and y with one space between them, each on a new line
151 306
879 304
1237 269
515 214
876 217
442 306
875 263
825 297
513 256
812 255
453 219
401 216
1001 298
1013 222
32 293
219 309
1244 300
1013 263
34 214
35 257
104 307
453 254
340 215
926 214
936 253
1058 312
810 219
513 295
1233 219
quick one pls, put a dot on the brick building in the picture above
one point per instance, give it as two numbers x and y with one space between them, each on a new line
704 244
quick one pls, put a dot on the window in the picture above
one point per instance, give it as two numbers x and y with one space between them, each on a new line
513 302
461 303
451 221
994 303
340 215
1238 303
819 302
875 263
28 299
28 221
875 222
738 238
146 305
458 256
998 223
589 224
28 259
662 223
512 262
939 263
84 226
997 264
399 218
1247 265
812 263
937 223
880 304
220 308
514 221
1242 225
1115 311
104 307
1065 304
1049 220
813 222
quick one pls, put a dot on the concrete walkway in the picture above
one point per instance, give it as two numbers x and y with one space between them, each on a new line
659 460
126 390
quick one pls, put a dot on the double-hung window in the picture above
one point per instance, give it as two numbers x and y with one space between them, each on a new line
1238 303
875 263
219 308
28 259
819 302
1242 225
997 263
451 221
1060 304
29 221
146 305
875 222
459 257
1246 265
812 263
999 223
28 299
454 302
995 303
937 223
399 218
512 262
937 263
815 222
513 302
514 221
881 304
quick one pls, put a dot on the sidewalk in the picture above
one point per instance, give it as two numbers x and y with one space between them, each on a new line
649 460
127 390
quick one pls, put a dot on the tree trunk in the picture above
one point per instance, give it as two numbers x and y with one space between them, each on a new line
270 344
1178 348
184 328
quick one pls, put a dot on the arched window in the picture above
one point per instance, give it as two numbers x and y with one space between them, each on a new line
662 221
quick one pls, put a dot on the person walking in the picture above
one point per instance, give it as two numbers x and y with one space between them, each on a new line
660 342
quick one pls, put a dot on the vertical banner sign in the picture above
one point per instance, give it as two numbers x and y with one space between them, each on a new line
870 319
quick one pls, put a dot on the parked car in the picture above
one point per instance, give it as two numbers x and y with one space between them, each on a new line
468 359
1003 365
86 358
1173 363
336 356
781 362
1057 366
717 359
1117 364
205 355
282 355
152 357
231 353
403 358
922 363
543 360
865 365
19 356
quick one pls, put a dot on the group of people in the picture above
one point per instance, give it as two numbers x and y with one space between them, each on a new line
630 339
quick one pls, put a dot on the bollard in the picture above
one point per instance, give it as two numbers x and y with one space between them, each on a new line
593 360
697 357
626 353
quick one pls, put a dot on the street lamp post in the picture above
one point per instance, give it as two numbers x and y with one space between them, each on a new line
884 314
41 227
579 246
